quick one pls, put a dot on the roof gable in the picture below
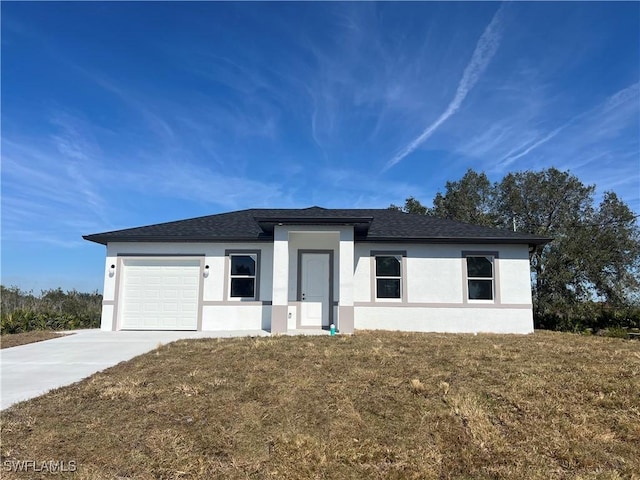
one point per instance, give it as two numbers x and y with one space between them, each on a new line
370 225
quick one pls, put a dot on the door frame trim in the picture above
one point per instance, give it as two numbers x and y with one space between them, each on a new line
299 284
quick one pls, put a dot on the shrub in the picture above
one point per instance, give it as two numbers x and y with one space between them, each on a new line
616 332
589 315
52 310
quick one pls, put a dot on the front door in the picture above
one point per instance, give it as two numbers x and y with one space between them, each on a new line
314 293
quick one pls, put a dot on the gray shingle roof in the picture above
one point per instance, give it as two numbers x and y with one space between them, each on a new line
375 225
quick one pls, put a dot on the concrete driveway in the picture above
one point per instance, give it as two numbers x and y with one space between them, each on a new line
31 370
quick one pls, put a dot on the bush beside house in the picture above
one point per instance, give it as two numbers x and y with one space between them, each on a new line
53 309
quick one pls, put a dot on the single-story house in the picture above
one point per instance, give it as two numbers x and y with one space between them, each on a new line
291 269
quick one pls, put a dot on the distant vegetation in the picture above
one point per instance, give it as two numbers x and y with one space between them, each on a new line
51 310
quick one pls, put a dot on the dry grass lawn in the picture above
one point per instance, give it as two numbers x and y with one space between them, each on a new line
16 339
372 405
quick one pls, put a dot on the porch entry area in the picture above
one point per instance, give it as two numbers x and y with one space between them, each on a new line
315 288
312 278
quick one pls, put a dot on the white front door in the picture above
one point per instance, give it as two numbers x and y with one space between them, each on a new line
314 293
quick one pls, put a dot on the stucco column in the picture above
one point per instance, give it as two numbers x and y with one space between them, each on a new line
280 296
108 320
345 304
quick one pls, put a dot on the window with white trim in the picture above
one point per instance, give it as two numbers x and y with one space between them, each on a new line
480 277
242 273
388 276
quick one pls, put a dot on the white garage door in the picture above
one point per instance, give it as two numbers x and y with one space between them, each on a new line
160 294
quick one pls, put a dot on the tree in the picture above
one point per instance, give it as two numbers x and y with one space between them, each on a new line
471 200
614 262
411 205
549 203
595 252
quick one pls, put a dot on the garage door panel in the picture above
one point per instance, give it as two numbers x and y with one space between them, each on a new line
188 295
190 281
152 295
172 294
159 294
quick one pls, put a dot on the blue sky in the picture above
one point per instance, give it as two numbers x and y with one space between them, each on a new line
121 114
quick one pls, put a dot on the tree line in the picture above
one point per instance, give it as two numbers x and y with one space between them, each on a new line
53 309
589 275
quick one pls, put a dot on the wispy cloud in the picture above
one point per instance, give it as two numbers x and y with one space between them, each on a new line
369 191
605 119
50 187
195 183
600 143
512 157
485 50
154 121
60 186
355 89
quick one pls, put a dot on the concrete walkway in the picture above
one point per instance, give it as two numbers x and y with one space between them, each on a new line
33 369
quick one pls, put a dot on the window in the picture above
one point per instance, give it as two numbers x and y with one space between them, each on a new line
480 277
243 275
388 276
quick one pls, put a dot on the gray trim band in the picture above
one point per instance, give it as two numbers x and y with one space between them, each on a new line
160 255
236 303
515 306
375 253
474 253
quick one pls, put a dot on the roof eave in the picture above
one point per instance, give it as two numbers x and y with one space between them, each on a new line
268 224
461 240
103 239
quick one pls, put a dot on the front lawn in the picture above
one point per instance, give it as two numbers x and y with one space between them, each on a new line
371 405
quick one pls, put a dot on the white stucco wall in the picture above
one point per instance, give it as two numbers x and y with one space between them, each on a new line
436 273
435 291
280 265
232 317
435 278
214 317
450 319
515 276
346 262
106 320
361 275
